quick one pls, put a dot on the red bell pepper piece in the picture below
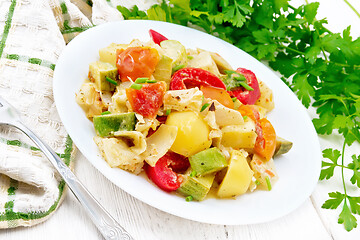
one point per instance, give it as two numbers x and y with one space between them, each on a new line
164 173
246 96
194 77
156 37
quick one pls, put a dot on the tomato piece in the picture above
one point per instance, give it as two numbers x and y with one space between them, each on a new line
246 96
194 77
147 100
250 111
135 62
156 37
265 145
164 175
221 95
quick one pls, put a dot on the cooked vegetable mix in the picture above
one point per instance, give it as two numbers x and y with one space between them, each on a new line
184 116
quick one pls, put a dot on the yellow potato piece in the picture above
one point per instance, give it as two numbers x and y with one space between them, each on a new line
238 176
108 54
239 136
193 133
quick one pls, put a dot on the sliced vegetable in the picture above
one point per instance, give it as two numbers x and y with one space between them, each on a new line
238 176
246 96
196 187
136 62
193 133
163 175
108 54
156 37
178 67
250 111
239 136
282 146
141 80
189 198
106 112
203 107
207 161
218 94
194 77
111 81
265 145
176 51
100 72
268 183
106 124
136 86
163 70
147 100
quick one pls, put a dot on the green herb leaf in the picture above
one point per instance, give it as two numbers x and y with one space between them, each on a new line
268 183
327 170
355 166
105 113
136 86
335 200
354 204
204 106
111 81
235 80
177 67
189 198
151 81
141 80
347 218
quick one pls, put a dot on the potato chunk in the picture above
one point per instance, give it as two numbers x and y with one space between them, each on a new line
108 54
193 133
239 136
238 176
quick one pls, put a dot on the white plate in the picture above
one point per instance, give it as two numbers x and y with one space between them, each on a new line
298 170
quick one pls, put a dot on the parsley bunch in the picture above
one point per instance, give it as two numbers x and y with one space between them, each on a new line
321 67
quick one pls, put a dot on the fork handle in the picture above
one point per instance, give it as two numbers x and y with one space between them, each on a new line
106 224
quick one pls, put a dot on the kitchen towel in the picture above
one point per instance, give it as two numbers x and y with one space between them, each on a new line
33 34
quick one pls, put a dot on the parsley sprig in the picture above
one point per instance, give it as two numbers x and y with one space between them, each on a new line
321 67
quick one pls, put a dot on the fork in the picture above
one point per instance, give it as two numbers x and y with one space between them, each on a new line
107 225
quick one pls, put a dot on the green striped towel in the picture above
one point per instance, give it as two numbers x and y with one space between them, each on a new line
33 34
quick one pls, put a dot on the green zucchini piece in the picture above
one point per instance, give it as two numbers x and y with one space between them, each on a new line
163 70
106 125
208 161
197 187
176 51
282 146
98 71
